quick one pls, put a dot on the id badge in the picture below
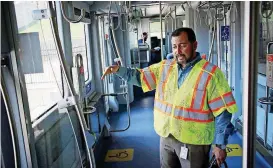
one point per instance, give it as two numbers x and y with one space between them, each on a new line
184 152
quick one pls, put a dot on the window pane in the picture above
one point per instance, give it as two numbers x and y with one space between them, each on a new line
39 59
266 35
79 45
155 29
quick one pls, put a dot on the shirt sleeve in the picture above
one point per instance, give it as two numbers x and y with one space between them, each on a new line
145 78
131 75
223 128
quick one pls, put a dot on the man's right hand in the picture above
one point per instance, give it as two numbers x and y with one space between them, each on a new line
109 70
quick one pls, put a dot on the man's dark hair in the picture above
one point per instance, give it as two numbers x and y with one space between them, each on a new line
144 34
189 31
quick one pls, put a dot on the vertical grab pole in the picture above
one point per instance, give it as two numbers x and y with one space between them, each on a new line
68 79
266 118
138 50
226 49
251 50
161 33
219 59
175 19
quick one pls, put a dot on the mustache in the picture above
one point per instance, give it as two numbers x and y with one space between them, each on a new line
183 55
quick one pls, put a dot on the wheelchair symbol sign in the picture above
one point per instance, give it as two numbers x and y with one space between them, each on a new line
225 33
119 155
233 150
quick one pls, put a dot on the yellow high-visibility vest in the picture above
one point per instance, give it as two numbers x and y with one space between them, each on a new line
188 112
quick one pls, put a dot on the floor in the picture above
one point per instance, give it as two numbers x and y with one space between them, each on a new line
145 142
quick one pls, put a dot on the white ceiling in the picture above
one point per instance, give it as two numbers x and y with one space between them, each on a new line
152 7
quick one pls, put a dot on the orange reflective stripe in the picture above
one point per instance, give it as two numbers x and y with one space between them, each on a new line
229 104
209 78
184 118
183 113
196 84
225 100
167 76
145 80
219 98
184 108
150 77
195 120
159 87
153 75
193 110
216 99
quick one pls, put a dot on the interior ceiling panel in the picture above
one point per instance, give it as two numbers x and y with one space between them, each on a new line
89 2
149 8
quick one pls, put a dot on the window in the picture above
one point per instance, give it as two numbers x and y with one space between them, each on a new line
38 57
266 35
78 38
155 29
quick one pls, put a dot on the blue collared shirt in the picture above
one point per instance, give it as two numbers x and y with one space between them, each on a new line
140 41
223 126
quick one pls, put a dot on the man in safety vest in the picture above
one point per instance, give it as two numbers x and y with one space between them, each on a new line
193 103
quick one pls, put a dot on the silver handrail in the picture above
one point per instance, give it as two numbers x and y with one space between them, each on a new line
175 20
68 78
116 45
266 119
219 48
226 51
212 40
251 50
78 60
122 64
128 110
267 101
220 18
138 51
267 14
70 20
232 6
161 33
8 108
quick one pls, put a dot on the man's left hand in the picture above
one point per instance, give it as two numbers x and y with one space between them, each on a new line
220 155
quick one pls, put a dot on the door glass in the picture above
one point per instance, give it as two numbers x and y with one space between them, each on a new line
266 35
264 122
39 58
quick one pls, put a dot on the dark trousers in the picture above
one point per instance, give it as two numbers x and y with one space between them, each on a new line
198 155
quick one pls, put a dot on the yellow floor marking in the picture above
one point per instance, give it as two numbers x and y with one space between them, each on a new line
233 150
119 155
